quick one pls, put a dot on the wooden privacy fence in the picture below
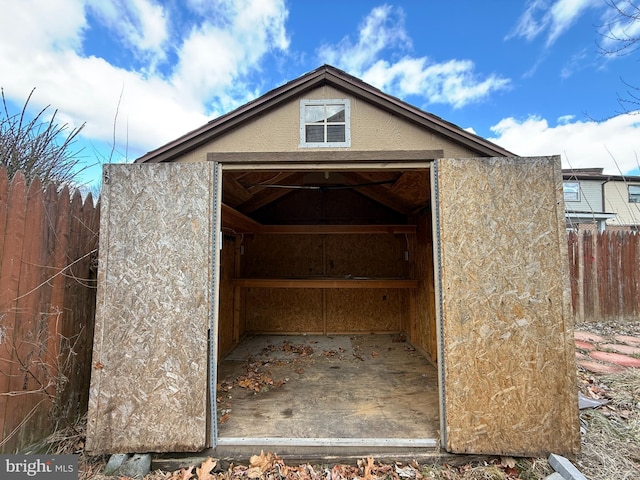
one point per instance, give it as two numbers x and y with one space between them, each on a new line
48 249
605 275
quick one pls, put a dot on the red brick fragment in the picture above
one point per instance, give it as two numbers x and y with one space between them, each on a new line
624 349
589 337
596 367
616 358
584 345
629 340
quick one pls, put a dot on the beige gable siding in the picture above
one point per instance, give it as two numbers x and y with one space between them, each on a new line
371 129
616 194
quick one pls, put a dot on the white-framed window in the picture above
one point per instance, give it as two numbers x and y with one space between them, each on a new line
634 193
571 191
325 123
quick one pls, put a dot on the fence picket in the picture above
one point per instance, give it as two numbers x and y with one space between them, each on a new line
605 282
36 247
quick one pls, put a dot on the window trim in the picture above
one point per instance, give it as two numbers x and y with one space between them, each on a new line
347 123
577 193
634 197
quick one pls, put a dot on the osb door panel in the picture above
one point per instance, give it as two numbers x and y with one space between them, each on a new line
508 382
149 377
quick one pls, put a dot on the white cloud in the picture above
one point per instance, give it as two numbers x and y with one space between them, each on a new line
613 144
382 28
140 24
216 55
554 18
452 82
42 47
29 24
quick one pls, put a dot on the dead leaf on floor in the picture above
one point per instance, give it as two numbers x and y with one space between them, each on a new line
299 370
262 462
183 474
368 467
508 462
204 470
224 417
374 354
406 472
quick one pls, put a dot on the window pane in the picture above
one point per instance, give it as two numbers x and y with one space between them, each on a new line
335 113
571 191
314 114
314 133
634 193
335 133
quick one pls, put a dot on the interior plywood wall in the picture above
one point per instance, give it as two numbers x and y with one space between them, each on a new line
423 333
226 322
306 310
300 256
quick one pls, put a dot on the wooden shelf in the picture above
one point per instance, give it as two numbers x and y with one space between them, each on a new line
324 283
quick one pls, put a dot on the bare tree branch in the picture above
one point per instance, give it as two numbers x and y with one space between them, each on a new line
38 147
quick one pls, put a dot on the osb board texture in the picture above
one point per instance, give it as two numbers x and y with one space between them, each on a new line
284 310
340 255
508 342
330 207
423 331
371 129
149 375
364 310
226 326
282 256
358 255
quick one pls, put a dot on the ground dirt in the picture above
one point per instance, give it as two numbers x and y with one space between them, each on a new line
610 444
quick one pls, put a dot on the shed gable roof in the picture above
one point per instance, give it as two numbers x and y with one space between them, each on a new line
324 75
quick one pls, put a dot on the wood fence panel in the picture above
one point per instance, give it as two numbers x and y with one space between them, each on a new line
9 282
574 259
605 280
4 196
37 298
27 375
592 298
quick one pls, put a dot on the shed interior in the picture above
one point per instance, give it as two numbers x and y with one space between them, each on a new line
326 277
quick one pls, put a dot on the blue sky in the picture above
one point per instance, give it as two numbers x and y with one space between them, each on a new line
527 75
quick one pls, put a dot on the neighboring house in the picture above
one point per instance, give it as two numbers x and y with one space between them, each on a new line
594 200
327 207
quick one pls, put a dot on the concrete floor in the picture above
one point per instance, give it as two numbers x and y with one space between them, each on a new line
319 387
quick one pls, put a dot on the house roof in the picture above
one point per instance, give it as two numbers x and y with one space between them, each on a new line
596 174
324 75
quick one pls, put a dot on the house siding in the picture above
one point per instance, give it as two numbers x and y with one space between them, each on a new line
617 200
371 129
590 197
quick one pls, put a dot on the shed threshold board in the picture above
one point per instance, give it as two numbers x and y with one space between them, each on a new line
328 442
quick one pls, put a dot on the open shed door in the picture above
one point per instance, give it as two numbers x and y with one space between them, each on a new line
155 304
508 378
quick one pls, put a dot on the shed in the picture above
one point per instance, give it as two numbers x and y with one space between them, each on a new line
327 268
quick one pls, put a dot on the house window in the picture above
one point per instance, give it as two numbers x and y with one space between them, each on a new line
571 191
325 123
634 193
